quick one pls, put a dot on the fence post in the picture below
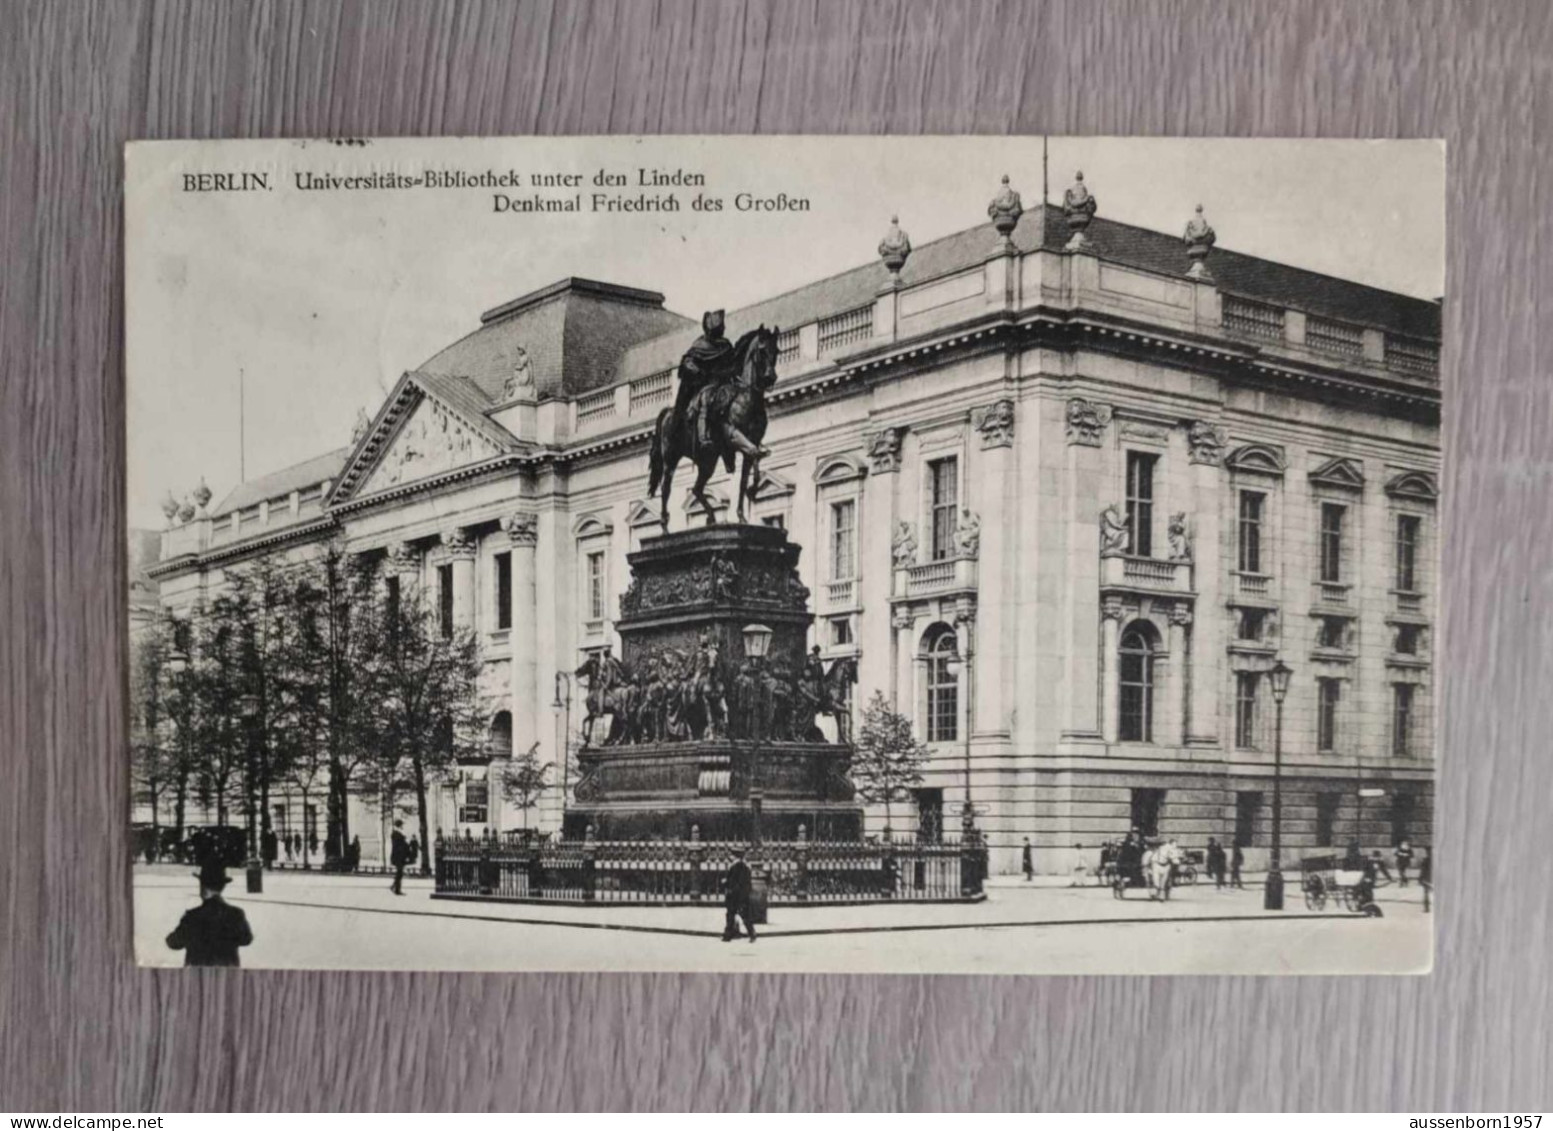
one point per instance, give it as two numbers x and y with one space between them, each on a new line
536 872
589 860
439 866
697 858
801 852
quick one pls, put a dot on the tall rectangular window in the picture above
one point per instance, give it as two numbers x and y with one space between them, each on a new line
1245 709
596 585
1407 552
504 590
1328 695
1251 503
944 500
445 600
1332 516
843 540
1140 502
1401 719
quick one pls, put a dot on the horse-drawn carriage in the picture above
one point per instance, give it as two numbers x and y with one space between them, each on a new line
1326 877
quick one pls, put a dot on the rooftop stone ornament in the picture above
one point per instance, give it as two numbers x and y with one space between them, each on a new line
1199 238
894 249
1005 211
202 494
1078 205
170 508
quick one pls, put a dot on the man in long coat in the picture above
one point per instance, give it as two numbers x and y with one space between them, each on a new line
398 856
738 885
210 934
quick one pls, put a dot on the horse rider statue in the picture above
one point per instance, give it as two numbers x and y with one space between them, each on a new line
604 673
718 413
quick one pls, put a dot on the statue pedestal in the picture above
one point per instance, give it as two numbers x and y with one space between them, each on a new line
697 724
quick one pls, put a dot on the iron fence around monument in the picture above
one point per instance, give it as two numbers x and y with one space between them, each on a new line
691 872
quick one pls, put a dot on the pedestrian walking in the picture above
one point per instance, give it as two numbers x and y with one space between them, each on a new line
1237 861
285 841
1027 862
737 887
1404 856
1215 861
1377 866
210 934
415 850
269 847
353 854
1426 876
398 856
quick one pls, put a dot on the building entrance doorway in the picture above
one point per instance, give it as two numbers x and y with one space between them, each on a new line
1146 807
930 815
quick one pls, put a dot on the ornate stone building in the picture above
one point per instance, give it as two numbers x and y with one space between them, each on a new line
1066 488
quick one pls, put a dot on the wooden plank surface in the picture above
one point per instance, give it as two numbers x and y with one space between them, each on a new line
82 1029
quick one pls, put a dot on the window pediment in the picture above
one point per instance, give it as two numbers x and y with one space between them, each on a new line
1345 474
772 486
642 513
594 525
1259 459
1419 485
838 469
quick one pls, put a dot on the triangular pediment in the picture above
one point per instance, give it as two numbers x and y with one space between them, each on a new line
419 434
643 513
772 485
1414 485
1347 474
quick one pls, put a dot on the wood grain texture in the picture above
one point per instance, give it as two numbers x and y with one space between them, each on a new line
82 1029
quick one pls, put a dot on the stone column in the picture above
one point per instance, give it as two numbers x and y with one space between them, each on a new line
1111 613
1206 443
1083 498
880 663
991 537
1177 710
404 562
460 547
523 534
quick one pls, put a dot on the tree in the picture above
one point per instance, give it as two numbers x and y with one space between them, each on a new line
339 634
524 780
888 758
153 760
427 713
214 685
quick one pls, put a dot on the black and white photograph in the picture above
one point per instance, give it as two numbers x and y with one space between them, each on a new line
943 555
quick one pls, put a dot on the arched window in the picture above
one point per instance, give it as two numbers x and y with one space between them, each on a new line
499 741
1139 644
943 685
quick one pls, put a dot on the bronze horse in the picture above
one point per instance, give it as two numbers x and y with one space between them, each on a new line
738 424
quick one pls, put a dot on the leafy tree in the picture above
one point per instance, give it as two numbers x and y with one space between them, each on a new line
888 758
214 685
524 780
427 712
338 612
153 760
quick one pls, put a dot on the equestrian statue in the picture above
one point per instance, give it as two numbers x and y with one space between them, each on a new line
718 413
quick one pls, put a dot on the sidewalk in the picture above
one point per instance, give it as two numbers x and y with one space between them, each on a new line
1010 902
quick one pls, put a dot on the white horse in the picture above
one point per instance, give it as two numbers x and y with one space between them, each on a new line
1159 866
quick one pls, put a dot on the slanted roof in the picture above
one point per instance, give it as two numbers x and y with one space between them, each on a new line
283 482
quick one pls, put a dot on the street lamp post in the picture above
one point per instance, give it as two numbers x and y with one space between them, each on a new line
1272 895
254 868
757 640
563 714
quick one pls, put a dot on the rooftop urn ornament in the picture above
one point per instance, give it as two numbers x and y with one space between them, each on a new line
202 494
1078 205
1005 211
170 508
1199 239
894 249
186 511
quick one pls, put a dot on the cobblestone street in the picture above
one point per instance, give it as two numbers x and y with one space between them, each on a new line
316 921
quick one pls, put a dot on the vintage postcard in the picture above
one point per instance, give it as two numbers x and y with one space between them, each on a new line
942 554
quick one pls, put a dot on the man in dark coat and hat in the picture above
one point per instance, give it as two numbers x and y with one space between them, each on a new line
210 934
737 887
398 856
